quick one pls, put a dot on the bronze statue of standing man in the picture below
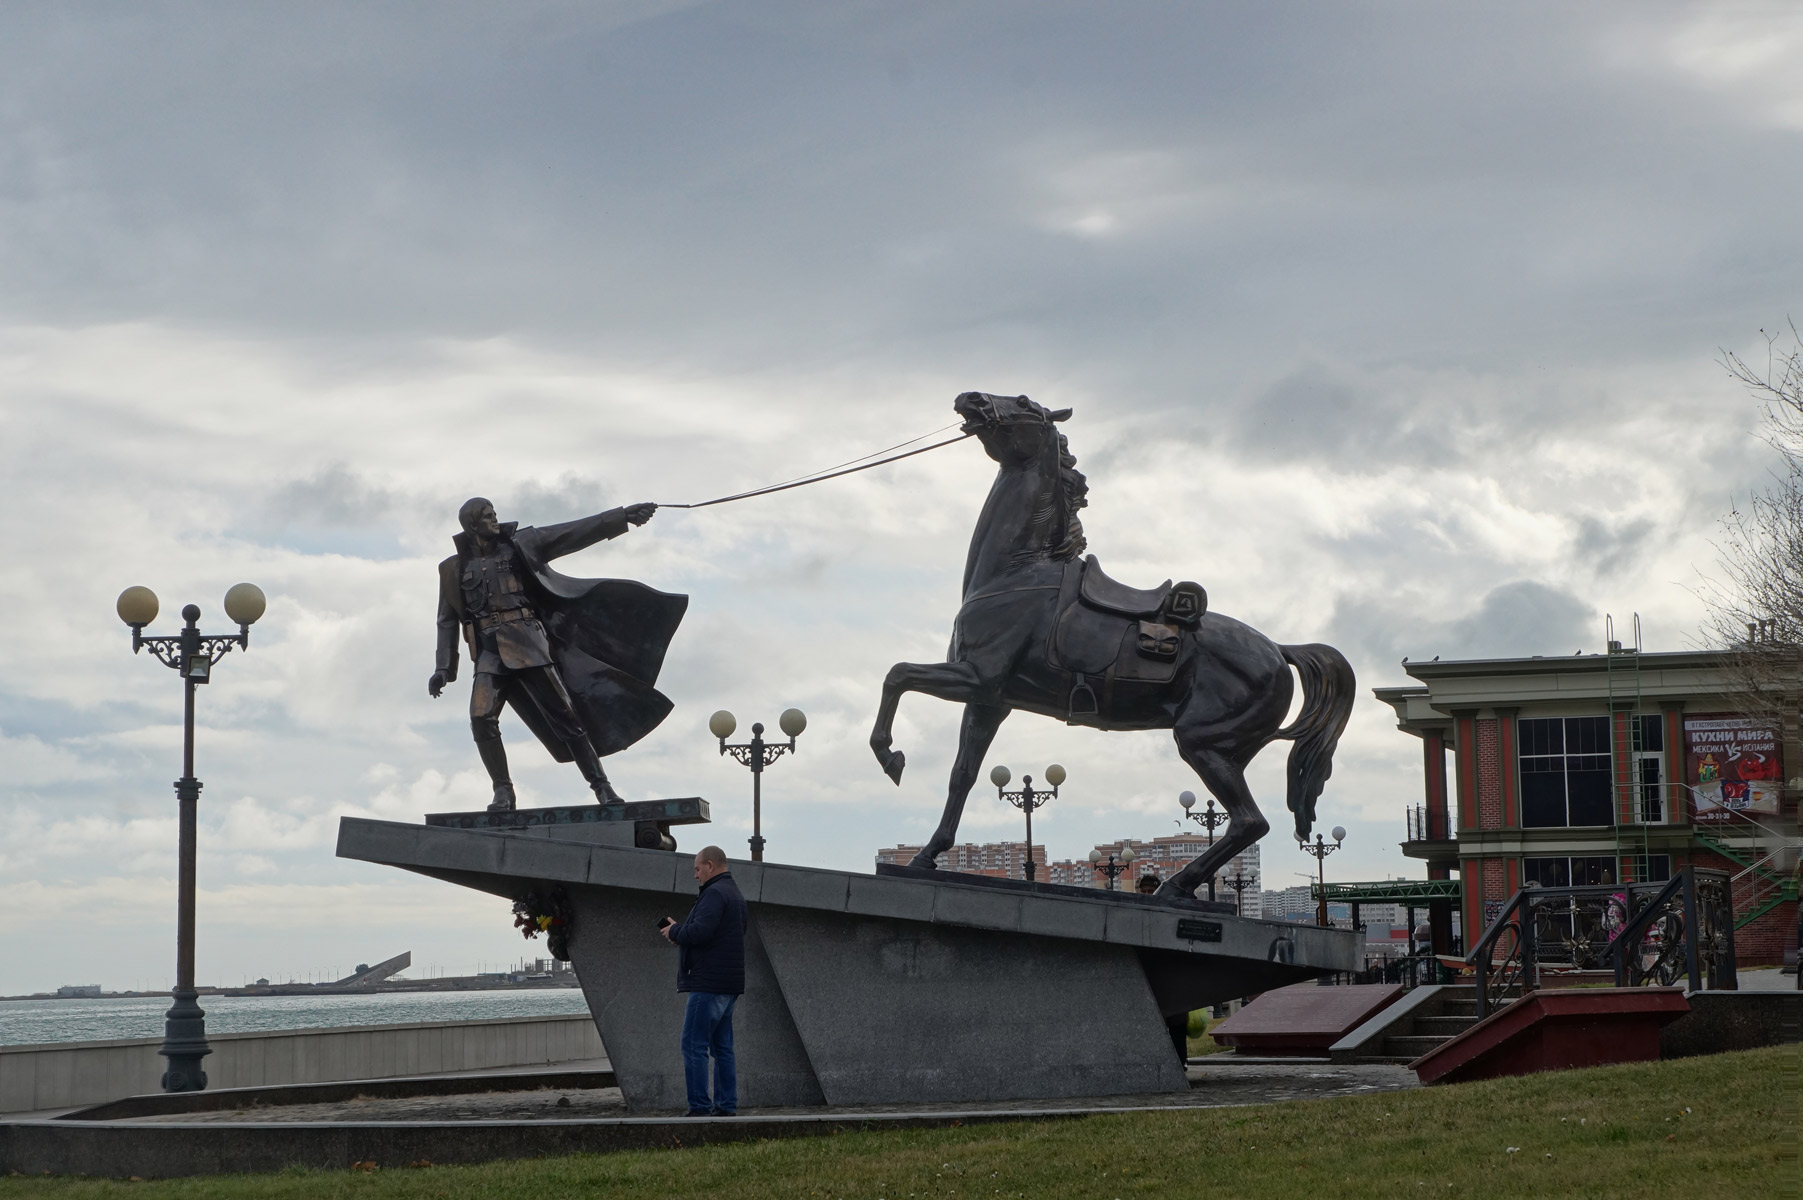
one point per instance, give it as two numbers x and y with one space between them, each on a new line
577 659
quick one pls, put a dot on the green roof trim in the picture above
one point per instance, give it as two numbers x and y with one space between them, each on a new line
1387 891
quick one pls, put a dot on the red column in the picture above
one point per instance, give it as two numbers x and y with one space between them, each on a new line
1465 763
1433 752
1677 794
1508 763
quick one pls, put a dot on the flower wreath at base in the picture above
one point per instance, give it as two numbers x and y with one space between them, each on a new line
547 913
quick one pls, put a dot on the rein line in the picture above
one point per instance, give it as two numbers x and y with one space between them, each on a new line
834 474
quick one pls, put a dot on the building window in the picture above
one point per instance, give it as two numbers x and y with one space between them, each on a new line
1658 868
1585 871
1649 761
1565 776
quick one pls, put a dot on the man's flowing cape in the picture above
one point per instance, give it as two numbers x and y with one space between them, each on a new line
608 636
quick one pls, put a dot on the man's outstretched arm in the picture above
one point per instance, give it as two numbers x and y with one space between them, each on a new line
555 541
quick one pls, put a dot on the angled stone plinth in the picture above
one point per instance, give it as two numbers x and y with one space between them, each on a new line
876 989
633 823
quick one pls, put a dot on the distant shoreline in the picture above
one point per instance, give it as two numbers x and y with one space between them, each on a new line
559 982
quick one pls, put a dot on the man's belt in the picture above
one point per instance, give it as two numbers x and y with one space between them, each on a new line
507 616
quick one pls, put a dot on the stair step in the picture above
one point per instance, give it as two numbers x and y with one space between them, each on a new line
1462 1009
1444 1026
1412 1045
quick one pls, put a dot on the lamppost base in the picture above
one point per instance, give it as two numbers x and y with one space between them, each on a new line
757 847
185 1044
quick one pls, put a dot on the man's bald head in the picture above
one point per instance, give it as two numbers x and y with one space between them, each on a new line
709 862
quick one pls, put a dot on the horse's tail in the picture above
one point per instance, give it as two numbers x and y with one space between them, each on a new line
1327 692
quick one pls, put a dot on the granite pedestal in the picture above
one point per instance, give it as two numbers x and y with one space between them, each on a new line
865 989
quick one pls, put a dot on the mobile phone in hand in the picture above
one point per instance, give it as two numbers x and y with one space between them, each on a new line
665 922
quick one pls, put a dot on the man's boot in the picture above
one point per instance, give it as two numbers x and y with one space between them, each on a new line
590 765
494 757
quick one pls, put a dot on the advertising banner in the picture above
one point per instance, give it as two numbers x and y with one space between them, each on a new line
1733 764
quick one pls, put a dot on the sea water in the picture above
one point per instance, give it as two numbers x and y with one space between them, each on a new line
24 1022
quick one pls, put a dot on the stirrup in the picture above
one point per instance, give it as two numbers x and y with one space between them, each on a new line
1082 700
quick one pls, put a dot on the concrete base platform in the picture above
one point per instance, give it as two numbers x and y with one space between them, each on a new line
410 1122
169 1150
866 990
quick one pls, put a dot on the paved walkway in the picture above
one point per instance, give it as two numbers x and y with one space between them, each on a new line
1212 1085
1765 979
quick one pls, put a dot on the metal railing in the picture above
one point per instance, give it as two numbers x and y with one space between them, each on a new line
1428 824
1765 856
1646 933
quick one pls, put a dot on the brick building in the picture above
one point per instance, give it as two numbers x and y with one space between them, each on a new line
999 860
1165 856
1602 768
1161 856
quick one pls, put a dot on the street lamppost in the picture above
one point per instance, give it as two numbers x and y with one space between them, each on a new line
192 655
1321 850
1114 870
1239 883
1026 799
757 754
1209 818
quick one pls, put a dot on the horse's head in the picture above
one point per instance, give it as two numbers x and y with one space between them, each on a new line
1038 470
1013 429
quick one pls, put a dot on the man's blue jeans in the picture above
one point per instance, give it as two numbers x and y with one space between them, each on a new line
707 1030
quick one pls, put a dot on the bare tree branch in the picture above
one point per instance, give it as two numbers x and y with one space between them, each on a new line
1755 603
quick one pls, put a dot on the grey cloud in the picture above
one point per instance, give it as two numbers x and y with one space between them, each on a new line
571 496
335 510
1521 618
334 497
1511 620
1314 412
1609 546
753 186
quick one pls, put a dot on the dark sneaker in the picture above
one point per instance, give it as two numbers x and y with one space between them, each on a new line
698 1112
721 1112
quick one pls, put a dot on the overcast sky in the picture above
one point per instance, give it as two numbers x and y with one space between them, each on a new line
1395 325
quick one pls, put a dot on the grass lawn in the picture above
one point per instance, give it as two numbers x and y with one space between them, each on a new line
1723 1126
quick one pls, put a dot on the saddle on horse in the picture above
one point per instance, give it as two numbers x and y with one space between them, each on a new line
1104 630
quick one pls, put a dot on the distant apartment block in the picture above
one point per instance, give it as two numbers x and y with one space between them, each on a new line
998 860
1160 857
1165 856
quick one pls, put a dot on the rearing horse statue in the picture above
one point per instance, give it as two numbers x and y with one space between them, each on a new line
1042 629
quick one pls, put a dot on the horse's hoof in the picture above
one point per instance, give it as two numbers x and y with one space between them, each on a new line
893 769
1170 891
923 859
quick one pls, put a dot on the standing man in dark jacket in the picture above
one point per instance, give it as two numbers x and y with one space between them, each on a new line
712 971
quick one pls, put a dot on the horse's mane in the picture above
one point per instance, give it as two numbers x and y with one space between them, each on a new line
1072 494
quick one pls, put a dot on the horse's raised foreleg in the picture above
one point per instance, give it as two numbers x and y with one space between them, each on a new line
1225 777
955 681
974 736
